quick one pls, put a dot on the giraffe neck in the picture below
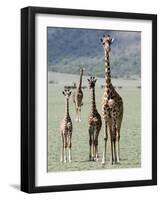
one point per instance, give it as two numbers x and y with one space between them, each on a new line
93 103
80 81
66 107
107 70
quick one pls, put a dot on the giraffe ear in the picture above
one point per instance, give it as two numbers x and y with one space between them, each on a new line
95 80
112 40
101 39
63 93
88 79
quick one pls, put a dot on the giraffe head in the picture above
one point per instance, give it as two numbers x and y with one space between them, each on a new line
91 81
106 41
66 93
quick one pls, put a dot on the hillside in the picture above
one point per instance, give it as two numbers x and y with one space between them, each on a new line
69 49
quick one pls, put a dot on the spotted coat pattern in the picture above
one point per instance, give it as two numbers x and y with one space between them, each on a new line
66 129
78 97
94 122
112 108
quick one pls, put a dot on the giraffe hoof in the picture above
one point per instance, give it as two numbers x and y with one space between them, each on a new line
103 162
76 120
94 159
65 161
90 158
118 162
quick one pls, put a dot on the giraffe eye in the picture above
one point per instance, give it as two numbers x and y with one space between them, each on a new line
103 43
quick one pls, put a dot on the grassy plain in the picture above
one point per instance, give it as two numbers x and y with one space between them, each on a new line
130 132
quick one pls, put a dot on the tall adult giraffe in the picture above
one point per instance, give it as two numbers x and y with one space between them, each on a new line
78 97
94 122
112 108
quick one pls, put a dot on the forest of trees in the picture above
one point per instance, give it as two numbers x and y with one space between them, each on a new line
69 49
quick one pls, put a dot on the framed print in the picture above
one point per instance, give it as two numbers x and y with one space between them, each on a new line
88 99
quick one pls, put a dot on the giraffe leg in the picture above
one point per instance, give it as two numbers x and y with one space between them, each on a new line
96 145
65 149
119 122
76 114
119 157
115 151
105 143
113 137
65 155
76 109
79 114
118 146
69 148
111 142
112 158
90 143
93 147
62 150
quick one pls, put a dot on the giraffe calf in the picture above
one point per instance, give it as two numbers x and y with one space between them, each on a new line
66 130
94 122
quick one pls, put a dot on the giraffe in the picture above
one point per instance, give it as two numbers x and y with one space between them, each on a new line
95 123
78 97
112 108
66 130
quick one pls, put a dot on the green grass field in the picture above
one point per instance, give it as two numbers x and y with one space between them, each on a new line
130 142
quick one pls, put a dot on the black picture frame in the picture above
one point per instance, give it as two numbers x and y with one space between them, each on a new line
28 98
